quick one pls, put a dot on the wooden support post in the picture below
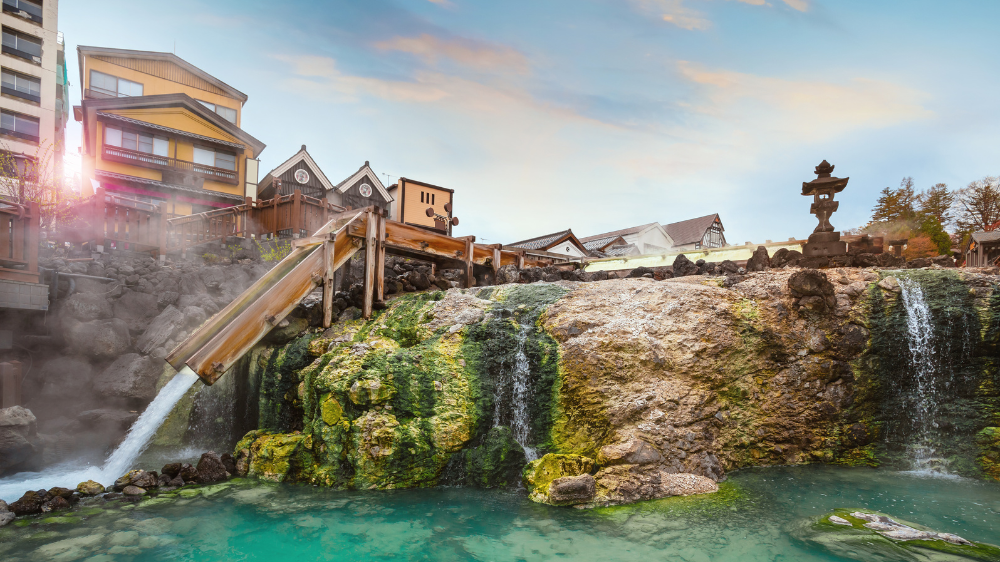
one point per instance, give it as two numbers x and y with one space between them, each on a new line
245 216
10 384
371 242
496 263
161 235
380 257
275 200
519 260
470 278
296 213
98 220
328 277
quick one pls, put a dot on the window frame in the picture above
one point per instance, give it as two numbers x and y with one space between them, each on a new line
138 137
21 53
37 98
215 158
14 7
118 84
14 132
214 108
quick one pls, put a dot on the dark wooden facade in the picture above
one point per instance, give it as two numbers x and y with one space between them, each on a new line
311 188
353 199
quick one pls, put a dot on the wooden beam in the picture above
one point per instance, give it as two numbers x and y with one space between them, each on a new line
470 278
371 243
380 258
328 274
496 263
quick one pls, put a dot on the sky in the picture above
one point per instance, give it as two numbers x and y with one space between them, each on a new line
597 115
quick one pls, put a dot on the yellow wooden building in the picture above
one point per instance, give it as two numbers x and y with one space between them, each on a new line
160 130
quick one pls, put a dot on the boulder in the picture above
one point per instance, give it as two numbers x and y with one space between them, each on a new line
87 306
631 451
188 473
6 517
539 474
813 288
417 279
136 309
890 284
29 504
98 339
508 274
229 462
131 376
19 446
621 484
286 330
641 272
759 261
569 490
58 491
17 416
65 379
166 298
496 463
684 267
210 469
56 503
107 419
784 256
943 261
166 324
727 267
89 488
133 491
171 470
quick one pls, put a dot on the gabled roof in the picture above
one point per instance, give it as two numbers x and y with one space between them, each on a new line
622 232
86 51
593 243
691 230
980 237
92 107
301 156
363 171
548 241
622 250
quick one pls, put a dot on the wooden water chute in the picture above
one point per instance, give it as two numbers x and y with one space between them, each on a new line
222 340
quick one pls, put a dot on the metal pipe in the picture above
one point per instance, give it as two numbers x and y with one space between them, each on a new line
77 275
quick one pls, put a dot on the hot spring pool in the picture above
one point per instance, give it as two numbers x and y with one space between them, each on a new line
753 517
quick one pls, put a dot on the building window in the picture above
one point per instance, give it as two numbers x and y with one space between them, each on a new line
22 45
432 198
21 126
21 85
421 196
227 113
209 157
139 142
32 9
112 86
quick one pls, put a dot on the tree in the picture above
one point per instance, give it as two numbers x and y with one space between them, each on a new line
934 230
977 207
920 247
34 178
895 204
937 201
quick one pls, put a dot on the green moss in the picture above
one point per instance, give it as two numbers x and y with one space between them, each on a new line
538 474
495 463
728 499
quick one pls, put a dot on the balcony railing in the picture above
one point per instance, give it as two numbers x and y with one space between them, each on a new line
147 160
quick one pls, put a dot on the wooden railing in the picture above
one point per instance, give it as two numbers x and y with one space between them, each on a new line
19 238
147 160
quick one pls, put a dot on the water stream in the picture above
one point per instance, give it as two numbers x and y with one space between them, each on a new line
120 461
516 384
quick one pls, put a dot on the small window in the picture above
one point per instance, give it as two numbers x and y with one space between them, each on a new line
19 125
113 137
208 157
207 104
227 113
421 196
432 198
33 9
112 86
136 141
22 85
25 46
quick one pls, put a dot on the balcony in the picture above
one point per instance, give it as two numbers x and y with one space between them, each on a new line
147 160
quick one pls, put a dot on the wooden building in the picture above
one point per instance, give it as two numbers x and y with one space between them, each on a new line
697 234
298 172
361 189
563 242
648 238
423 204
157 129
982 249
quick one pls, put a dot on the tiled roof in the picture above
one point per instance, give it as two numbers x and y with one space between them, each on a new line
598 243
622 250
986 236
623 232
131 121
541 242
691 230
162 185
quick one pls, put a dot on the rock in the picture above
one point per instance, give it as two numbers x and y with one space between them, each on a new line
19 445
943 261
171 469
6 517
890 284
176 482
58 491
569 490
784 256
133 491
144 479
210 469
17 416
90 488
87 306
281 335
108 419
813 288
683 267
130 376
641 272
56 503
166 298
136 310
417 279
539 474
508 274
65 380
29 504
727 267
497 462
229 463
98 339
188 473
242 462
623 484
633 451
759 261
839 520
166 324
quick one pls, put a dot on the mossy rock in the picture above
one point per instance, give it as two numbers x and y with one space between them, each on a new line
989 443
538 474
277 457
495 463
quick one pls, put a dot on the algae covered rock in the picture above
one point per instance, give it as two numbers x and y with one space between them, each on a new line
495 463
989 443
90 488
539 475
275 457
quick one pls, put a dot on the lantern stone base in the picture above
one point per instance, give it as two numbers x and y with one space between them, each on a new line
824 244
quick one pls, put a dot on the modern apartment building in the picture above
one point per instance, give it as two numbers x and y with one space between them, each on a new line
157 129
34 94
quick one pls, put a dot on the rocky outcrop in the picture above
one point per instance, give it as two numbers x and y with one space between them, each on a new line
131 376
19 445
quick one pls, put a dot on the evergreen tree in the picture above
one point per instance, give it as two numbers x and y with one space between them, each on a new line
937 201
895 204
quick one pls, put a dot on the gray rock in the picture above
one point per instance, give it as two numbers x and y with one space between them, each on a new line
211 469
98 339
6 517
167 323
136 309
133 491
683 267
29 504
17 416
570 490
64 378
15 449
107 418
194 316
812 283
130 376
166 298
508 274
87 306
759 261
890 284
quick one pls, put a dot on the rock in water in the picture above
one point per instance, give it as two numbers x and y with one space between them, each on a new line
133 491
210 468
90 488
229 463
55 503
569 490
539 474
171 470
29 504
188 473
6 517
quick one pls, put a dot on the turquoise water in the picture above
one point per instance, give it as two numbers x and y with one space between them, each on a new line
752 518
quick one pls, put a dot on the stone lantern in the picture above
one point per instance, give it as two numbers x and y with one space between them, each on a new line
824 241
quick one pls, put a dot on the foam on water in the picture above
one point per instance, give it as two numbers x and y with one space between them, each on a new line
120 461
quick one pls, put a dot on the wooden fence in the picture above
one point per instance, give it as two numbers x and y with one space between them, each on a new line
19 237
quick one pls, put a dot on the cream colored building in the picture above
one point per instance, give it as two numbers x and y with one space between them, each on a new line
34 94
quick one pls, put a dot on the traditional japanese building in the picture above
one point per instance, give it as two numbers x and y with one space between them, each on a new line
157 129
563 242
697 234
422 204
298 172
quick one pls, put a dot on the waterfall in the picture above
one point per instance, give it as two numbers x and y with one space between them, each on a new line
68 475
516 383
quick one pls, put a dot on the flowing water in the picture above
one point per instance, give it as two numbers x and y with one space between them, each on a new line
755 517
513 393
120 461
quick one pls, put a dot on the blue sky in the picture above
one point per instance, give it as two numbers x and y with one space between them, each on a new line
599 114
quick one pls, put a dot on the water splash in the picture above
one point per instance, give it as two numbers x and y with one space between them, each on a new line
923 453
120 461
516 383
